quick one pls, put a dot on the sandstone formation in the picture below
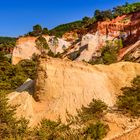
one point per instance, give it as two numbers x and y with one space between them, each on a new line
63 85
89 46
132 50
126 27
25 47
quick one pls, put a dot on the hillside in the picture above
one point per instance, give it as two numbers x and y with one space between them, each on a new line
121 32
64 86
78 81
7 44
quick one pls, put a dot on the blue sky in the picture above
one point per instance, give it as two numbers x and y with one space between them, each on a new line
18 16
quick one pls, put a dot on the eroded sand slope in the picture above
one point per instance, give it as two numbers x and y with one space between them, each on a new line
63 86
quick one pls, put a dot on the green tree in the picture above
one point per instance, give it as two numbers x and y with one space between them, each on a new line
129 102
42 44
94 111
98 15
96 131
49 130
10 127
37 30
45 31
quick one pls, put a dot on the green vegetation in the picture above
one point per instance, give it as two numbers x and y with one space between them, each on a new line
10 126
17 129
129 102
98 16
51 130
109 53
84 23
117 11
12 76
37 31
91 128
96 131
126 9
103 15
7 44
51 54
95 111
91 120
61 29
41 44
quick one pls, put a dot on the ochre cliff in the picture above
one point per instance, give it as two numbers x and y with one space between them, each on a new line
26 47
126 27
64 85
74 84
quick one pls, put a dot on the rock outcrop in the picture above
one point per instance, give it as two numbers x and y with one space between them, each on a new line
123 26
126 27
133 52
64 85
76 84
25 47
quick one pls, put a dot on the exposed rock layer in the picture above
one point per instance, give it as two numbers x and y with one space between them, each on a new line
76 84
26 47
126 27
64 85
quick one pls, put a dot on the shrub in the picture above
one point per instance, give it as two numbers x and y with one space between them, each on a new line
94 111
91 128
49 130
108 54
96 131
10 127
41 44
14 76
129 102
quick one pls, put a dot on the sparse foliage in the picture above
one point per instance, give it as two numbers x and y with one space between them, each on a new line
129 102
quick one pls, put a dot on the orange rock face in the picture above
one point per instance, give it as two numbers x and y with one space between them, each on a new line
70 36
124 26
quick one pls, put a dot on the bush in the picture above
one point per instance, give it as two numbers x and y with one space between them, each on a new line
10 127
14 76
109 53
94 111
96 131
129 102
49 130
91 128
7 42
61 29
41 44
